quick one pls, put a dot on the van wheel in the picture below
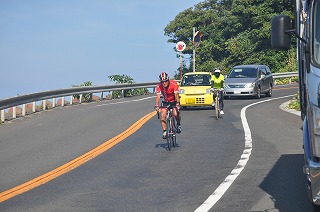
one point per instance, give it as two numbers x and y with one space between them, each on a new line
316 208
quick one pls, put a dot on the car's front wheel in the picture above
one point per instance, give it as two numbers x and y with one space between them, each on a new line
269 93
258 95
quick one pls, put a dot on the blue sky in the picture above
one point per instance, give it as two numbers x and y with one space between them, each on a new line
47 45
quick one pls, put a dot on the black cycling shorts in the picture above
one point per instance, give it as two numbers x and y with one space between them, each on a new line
165 104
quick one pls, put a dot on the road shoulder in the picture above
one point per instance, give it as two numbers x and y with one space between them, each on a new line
285 107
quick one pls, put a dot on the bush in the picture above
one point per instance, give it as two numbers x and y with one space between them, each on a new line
86 97
119 79
295 102
284 81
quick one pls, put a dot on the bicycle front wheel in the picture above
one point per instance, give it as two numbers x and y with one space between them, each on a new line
174 131
169 134
217 107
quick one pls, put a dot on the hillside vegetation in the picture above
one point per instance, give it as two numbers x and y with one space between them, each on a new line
233 32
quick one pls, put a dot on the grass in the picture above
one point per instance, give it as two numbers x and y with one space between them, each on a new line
295 102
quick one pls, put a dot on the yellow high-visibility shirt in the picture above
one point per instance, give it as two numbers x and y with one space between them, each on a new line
217 81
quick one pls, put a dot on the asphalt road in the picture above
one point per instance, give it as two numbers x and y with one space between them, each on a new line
139 174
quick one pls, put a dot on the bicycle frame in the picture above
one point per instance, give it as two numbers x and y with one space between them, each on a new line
171 127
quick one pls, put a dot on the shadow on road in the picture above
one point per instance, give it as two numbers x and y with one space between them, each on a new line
286 184
196 108
165 145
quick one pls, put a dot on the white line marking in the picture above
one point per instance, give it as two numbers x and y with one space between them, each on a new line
136 100
115 103
223 187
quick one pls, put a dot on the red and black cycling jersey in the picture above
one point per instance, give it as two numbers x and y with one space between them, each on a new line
168 92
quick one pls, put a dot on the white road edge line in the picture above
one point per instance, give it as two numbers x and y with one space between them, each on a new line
223 187
115 103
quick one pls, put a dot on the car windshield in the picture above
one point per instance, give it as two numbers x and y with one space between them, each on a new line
196 80
243 73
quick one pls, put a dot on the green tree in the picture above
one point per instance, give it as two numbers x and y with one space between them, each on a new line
120 79
234 32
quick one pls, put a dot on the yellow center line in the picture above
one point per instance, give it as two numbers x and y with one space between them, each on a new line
76 162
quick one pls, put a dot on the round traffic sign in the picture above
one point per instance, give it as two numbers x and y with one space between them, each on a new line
180 46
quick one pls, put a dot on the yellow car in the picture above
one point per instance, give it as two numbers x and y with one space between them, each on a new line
195 89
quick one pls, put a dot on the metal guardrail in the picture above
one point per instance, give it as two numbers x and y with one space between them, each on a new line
289 75
284 75
62 93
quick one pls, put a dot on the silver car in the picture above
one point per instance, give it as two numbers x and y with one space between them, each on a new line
249 80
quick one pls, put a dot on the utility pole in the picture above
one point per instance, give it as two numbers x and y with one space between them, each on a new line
194 50
196 42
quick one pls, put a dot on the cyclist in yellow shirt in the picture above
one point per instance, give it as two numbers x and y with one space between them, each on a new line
217 81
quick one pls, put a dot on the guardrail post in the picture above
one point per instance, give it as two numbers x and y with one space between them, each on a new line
54 102
62 101
44 104
80 100
14 112
122 94
24 109
2 116
34 107
101 97
71 100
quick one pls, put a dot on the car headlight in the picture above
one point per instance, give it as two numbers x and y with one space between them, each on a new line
181 91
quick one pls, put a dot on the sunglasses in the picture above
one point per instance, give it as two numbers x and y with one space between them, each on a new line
164 81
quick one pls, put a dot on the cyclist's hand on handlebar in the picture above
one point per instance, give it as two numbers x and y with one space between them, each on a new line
156 107
211 89
178 105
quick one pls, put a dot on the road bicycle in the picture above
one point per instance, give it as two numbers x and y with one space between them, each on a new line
171 133
216 94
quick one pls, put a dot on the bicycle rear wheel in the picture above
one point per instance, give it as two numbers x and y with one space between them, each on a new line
174 140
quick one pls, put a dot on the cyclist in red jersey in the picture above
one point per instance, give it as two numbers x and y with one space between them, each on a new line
170 92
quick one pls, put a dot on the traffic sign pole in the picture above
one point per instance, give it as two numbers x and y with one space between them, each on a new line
180 46
181 65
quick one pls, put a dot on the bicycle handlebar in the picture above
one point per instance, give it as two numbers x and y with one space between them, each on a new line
168 107
216 89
